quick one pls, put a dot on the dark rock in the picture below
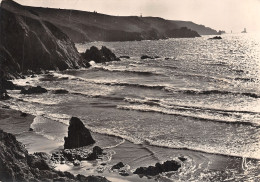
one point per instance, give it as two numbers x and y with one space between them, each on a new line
76 162
91 178
8 85
146 57
30 129
182 159
5 107
167 58
118 166
38 162
34 90
59 179
99 56
60 91
216 37
125 57
156 57
78 135
3 94
158 168
23 114
97 151
69 175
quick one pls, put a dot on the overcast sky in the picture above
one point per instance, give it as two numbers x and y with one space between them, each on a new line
218 14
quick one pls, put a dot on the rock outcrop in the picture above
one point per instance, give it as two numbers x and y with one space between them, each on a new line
78 135
158 168
30 43
17 165
99 56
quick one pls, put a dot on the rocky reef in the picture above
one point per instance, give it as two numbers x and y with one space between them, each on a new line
16 164
158 168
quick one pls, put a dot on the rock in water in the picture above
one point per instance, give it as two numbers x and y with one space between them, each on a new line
78 135
158 168
118 165
99 56
216 37
34 90
146 57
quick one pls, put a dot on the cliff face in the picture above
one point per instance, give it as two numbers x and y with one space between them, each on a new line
30 43
83 26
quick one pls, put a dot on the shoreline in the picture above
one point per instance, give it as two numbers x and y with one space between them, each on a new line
125 151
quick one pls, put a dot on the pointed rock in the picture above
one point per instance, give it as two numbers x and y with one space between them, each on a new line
78 135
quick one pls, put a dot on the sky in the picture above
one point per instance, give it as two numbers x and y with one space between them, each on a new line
225 15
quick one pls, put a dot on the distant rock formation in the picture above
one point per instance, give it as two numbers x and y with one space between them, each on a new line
30 43
99 56
16 164
216 37
78 135
158 168
83 26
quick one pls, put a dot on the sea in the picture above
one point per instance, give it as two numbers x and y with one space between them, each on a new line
197 95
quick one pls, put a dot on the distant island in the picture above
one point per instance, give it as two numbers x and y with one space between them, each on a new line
83 26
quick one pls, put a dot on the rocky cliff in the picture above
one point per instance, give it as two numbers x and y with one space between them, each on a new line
28 42
83 26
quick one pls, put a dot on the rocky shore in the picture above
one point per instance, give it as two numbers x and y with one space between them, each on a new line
16 164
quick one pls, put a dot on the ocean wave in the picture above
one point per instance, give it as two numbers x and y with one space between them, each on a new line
146 73
219 92
170 104
188 113
205 149
165 87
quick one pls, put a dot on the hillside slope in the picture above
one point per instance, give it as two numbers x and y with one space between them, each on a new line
83 26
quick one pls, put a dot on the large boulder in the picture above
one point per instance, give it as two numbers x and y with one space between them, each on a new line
99 56
78 135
